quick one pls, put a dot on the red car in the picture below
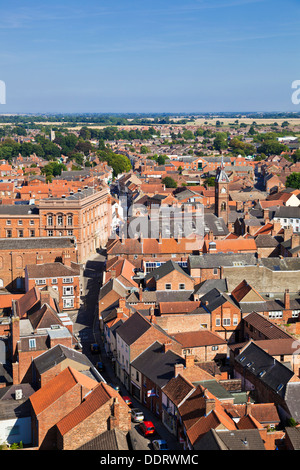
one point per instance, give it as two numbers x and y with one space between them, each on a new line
127 401
147 427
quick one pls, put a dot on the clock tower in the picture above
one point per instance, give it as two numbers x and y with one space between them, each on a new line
222 193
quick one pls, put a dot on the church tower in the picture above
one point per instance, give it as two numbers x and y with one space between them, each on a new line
222 193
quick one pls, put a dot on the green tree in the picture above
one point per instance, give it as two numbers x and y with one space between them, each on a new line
220 141
293 181
210 181
144 149
169 182
53 169
272 147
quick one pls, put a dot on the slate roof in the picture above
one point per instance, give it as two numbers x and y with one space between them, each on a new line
10 408
293 434
215 260
287 212
36 243
215 298
206 286
292 401
157 365
18 209
246 439
114 439
261 364
173 296
57 354
215 224
133 328
164 270
281 264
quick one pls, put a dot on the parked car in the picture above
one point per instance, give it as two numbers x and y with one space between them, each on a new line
137 415
95 348
116 387
127 400
147 428
100 366
160 444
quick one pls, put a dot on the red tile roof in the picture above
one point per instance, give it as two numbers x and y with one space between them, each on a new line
57 387
100 395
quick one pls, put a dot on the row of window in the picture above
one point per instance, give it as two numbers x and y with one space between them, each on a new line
20 233
20 222
168 286
279 314
227 321
50 233
59 220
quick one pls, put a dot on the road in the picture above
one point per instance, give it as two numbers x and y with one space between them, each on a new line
86 327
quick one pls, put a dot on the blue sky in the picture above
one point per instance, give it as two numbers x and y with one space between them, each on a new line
158 56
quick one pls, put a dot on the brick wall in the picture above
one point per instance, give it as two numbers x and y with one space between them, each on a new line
178 323
12 263
149 338
109 416
45 433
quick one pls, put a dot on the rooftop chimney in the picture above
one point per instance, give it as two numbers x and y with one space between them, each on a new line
266 216
166 346
295 241
189 360
287 299
287 233
210 405
177 369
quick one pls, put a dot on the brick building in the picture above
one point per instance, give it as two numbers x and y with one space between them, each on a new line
16 253
62 278
151 371
53 402
36 327
132 338
225 315
269 380
169 276
84 216
101 410
203 344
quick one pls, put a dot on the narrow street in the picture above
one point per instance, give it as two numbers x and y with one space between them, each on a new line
86 327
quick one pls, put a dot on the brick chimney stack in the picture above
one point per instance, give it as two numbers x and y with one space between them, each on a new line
45 297
295 240
66 259
248 407
167 346
177 369
287 299
266 216
189 360
287 233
